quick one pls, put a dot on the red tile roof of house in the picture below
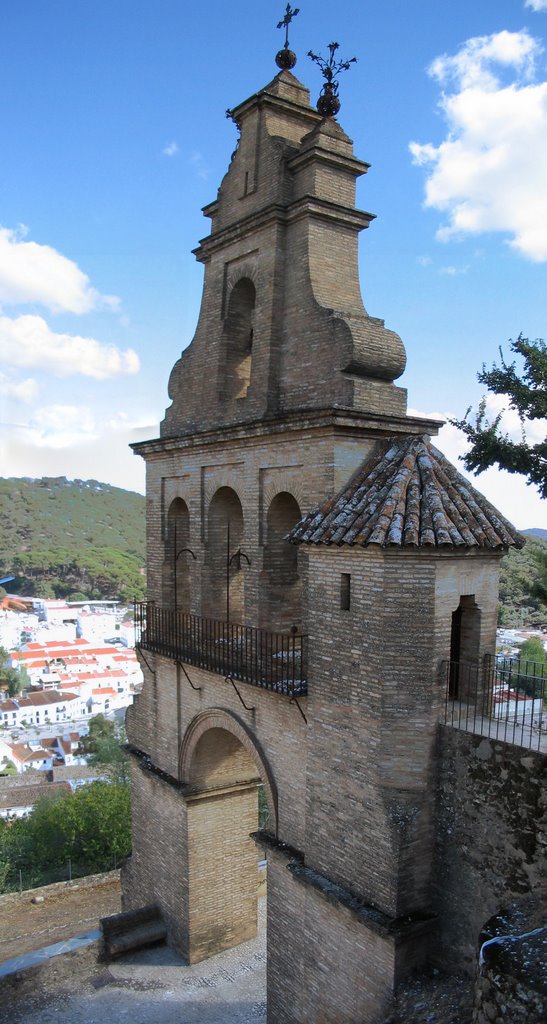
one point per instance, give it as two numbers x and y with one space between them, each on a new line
26 796
23 753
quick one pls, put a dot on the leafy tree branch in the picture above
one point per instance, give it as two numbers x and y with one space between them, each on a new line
526 392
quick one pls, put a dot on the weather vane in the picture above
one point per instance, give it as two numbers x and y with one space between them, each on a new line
328 103
286 58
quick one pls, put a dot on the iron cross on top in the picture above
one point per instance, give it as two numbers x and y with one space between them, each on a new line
289 15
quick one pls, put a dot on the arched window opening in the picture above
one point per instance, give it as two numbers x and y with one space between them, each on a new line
281 588
239 330
177 558
223 591
465 648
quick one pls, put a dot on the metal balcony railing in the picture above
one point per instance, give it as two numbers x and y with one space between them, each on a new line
273 661
503 699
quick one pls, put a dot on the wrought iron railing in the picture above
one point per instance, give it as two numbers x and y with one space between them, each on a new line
274 661
504 699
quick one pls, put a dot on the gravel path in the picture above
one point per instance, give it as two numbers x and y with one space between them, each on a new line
142 988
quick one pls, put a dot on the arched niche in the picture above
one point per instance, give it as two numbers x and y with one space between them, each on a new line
238 336
465 639
281 597
223 769
223 590
176 578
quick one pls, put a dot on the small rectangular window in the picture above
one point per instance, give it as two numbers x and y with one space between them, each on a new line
345 591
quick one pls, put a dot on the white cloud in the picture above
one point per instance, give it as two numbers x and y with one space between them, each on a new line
28 342
59 426
171 149
34 273
508 492
72 442
452 271
198 163
536 5
489 173
20 391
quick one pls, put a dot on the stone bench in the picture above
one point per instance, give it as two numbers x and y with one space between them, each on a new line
132 929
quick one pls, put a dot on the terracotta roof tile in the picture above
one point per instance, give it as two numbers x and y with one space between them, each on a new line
407 495
26 796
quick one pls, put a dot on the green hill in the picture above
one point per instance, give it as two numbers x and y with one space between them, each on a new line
523 584
72 539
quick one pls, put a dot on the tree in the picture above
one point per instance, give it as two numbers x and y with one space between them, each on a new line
103 747
109 754
100 728
12 679
526 393
91 827
532 665
533 650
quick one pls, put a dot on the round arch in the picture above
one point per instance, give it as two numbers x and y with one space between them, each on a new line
223 586
219 718
176 580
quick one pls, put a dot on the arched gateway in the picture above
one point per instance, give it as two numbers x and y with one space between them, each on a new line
312 669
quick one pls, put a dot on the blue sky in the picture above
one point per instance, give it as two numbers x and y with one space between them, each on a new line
114 137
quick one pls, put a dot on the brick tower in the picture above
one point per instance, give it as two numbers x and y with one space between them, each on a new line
311 559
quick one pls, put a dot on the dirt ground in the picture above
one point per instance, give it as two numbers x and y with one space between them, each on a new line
155 984
143 987
62 911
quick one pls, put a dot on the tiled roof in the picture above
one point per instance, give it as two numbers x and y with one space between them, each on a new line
23 753
26 796
407 495
41 698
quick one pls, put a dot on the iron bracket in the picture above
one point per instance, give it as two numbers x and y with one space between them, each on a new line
229 679
179 663
145 659
294 700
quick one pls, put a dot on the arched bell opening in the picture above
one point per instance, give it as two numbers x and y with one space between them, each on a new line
238 335
281 589
223 590
176 574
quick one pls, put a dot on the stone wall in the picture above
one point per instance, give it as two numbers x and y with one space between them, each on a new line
491 842
512 985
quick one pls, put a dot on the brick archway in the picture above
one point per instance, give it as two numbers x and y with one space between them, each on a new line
218 718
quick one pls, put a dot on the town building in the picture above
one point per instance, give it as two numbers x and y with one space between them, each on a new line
17 801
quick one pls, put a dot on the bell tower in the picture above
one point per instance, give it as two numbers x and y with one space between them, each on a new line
307 550
282 325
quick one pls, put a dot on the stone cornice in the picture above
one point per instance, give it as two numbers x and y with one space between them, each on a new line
268 99
337 160
297 421
310 206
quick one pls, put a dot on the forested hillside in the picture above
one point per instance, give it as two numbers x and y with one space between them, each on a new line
72 539
523 584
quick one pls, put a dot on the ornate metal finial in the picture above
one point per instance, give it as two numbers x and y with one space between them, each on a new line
286 59
328 103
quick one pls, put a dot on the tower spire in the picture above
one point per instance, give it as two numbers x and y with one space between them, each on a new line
286 58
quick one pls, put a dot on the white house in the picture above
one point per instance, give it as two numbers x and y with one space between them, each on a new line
39 708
